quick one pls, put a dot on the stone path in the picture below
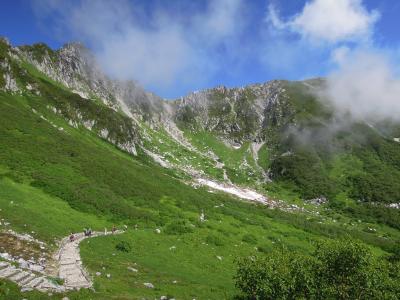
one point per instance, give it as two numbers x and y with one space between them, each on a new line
70 269
70 265
27 279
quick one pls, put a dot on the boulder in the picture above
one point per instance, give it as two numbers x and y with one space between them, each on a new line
148 285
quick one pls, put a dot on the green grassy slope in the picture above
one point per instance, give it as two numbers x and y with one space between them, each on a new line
312 152
354 164
56 178
315 139
239 163
55 181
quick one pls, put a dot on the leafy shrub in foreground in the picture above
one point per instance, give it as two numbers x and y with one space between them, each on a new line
277 276
341 269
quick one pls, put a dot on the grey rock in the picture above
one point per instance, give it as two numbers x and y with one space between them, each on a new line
148 285
133 269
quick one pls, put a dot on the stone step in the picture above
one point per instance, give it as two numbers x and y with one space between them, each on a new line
5 270
19 276
67 261
3 265
69 257
26 280
8 272
78 278
67 268
35 282
75 277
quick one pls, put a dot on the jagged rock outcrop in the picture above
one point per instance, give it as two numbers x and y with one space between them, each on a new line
76 67
7 78
237 114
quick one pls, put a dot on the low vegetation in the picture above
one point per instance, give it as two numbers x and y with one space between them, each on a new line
340 269
57 178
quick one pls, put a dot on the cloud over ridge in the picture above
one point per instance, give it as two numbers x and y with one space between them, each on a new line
159 47
184 43
365 86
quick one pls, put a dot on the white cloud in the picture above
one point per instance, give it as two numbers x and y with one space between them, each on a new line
331 21
339 54
221 20
157 48
365 86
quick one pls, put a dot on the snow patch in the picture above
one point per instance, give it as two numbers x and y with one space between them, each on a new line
81 94
242 193
158 159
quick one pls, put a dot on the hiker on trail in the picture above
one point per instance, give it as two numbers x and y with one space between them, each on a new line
114 229
71 237
87 232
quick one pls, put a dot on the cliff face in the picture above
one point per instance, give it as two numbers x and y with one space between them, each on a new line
236 114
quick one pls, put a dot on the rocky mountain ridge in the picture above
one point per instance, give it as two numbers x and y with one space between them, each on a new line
236 113
276 130
76 67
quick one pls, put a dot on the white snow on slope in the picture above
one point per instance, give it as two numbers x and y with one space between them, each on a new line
234 190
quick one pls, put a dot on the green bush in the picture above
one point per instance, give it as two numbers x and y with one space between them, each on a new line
340 269
178 227
276 276
123 246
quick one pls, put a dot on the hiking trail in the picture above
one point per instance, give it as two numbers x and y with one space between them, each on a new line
69 268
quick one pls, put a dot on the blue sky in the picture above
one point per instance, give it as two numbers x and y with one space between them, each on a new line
174 47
